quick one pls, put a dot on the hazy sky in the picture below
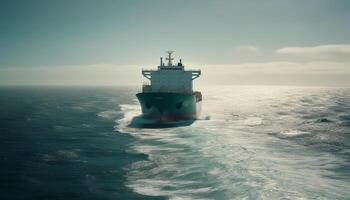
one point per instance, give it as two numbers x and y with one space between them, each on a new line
287 42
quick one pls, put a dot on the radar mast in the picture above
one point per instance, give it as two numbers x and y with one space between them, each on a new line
169 58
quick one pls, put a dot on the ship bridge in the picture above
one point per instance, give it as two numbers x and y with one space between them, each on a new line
171 78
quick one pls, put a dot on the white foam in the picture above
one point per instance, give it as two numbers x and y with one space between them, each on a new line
149 177
108 114
253 121
293 133
228 154
72 153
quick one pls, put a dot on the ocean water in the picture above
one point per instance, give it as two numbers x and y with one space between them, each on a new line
251 142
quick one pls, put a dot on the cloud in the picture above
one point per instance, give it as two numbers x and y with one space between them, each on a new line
97 74
321 73
246 49
257 73
321 50
283 67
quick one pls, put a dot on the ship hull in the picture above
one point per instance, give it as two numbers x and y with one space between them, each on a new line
167 107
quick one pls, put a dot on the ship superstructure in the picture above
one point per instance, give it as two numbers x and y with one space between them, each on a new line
169 96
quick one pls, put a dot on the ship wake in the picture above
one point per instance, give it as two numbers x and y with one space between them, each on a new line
260 143
133 119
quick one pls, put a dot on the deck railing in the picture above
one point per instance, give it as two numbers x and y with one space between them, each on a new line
148 88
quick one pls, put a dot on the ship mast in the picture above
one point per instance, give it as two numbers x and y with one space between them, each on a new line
169 58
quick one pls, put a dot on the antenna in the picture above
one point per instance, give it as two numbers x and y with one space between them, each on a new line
169 58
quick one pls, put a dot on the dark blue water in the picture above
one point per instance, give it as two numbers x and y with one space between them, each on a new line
54 145
251 143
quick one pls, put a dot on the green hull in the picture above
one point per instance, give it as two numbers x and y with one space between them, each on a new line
169 106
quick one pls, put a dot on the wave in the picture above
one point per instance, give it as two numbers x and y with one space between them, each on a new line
293 133
162 174
108 114
234 155
73 153
61 157
323 120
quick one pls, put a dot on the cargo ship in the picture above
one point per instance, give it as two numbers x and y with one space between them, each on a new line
169 96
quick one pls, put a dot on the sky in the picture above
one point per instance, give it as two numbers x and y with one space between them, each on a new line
84 42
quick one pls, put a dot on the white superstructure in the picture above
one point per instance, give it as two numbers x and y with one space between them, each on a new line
170 78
